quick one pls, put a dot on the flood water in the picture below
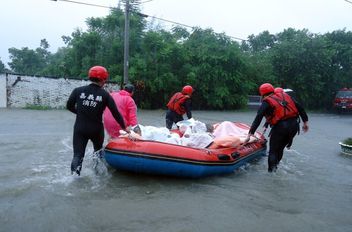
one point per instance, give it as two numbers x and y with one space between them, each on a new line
311 191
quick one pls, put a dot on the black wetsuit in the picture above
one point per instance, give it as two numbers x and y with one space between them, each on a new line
88 103
281 134
173 117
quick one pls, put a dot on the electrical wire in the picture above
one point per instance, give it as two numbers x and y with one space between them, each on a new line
138 3
84 3
181 24
161 19
145 15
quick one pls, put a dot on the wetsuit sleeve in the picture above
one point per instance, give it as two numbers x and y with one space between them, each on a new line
188 108
301 111
264 107
115 113
71 102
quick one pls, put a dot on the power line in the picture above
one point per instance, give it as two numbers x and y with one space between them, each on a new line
138 3
161 19
181 24
145 15
348 1
84 3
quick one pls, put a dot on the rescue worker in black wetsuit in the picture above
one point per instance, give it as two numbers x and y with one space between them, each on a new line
282 114
179 104
88 103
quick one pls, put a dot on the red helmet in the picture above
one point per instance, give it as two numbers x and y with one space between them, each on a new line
266 88
98 72
278 90
187 90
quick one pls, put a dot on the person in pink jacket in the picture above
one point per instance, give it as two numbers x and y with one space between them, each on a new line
126 106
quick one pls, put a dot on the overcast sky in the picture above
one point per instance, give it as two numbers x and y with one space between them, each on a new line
23 23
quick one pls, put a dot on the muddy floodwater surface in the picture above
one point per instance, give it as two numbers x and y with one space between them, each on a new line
311 191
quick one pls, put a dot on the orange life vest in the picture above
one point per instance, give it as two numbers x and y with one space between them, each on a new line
283 106
176 103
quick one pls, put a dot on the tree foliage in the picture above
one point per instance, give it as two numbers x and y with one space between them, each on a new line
222 71
2 67
29 61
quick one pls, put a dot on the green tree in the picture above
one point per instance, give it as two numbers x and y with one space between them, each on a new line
157 67
28 61
340 43
262 42
222 71
58 65
103 44
301 61
259 51
2 67
217 69
25 61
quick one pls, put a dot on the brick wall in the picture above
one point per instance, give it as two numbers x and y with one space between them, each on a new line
20 91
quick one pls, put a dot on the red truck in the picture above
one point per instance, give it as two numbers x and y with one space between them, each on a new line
343 100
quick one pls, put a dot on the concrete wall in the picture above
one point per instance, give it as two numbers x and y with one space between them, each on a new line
22 91
3 96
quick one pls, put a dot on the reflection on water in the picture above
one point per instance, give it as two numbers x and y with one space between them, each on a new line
311 190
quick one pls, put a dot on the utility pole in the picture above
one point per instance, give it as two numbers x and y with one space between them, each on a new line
126 44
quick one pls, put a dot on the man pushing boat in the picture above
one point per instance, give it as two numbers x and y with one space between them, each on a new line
88 103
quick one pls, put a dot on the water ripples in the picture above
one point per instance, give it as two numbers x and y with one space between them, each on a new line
52 172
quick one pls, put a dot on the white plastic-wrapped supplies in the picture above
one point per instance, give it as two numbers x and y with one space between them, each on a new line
201 140
184 124
154 133
196 140
195 134
199 127
195 125
160 134
173 138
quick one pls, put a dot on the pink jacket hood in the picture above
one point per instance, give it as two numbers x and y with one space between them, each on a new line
127 108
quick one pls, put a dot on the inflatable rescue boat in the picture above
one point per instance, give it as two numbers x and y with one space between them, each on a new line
159 158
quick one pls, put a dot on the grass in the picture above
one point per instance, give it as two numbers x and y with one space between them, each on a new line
37 107
347 141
